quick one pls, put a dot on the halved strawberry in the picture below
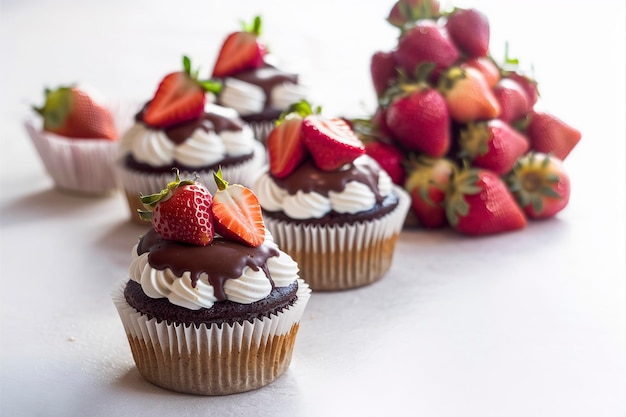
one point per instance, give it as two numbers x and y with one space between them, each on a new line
241 51
237 213
181 212
179 98
478 202
73 113
330 141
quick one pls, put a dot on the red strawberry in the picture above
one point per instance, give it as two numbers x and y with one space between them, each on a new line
330 141
549 134
467 95
73 113
540 185
405 12
389 157
426 183
383 71
241 51
469 29
487 67
418 119
179 98
479 203
181 212
514 103
528 84
285 146
493 145
425 42
237 213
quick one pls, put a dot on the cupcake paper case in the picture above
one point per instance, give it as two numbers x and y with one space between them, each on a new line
82 160
198 141
210 320
334 210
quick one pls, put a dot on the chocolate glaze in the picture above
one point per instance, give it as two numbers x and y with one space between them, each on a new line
307 177
131 163
266 77
221 260
221 312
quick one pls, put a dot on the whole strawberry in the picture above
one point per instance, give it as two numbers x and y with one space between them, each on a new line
513 99
540 185
549 134
419 120
469 30
425 42
468 96
73 113
389 157
406 12
427 182
492 145
179 98
331 142
478 202
241 51
382 71
181 212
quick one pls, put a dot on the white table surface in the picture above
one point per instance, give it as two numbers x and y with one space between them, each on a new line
523 324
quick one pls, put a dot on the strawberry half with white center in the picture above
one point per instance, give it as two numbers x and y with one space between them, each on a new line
330 141
181 212
478 202
179 98
237 214
73 113
540 185
241 51
285 144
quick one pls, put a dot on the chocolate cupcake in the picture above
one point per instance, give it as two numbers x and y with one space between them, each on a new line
213 136
254 86
335 211
210 318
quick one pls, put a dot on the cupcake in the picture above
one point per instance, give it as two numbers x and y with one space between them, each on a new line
180 128
327 203
211 306
252 85
76 137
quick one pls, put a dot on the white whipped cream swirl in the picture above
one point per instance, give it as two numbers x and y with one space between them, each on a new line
354 198
202 148
249 98
250 287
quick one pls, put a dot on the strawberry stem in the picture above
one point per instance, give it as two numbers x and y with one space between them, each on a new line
221 183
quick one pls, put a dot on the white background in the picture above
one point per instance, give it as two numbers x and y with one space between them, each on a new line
522 324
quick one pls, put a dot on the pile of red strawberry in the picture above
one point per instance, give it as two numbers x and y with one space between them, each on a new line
458 130
302 132
185 211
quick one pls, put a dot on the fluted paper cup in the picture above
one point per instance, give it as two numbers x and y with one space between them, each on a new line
80 166
212 359
342 256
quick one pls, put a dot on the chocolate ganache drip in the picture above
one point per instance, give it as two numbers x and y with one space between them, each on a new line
221 260
267 78
208 122
307 178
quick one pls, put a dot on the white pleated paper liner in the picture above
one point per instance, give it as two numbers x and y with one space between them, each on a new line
209 360
82 166
136 183
342 256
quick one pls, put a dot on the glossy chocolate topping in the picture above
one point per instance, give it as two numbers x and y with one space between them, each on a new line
221 312
307 177
266 77
208 122
221 260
